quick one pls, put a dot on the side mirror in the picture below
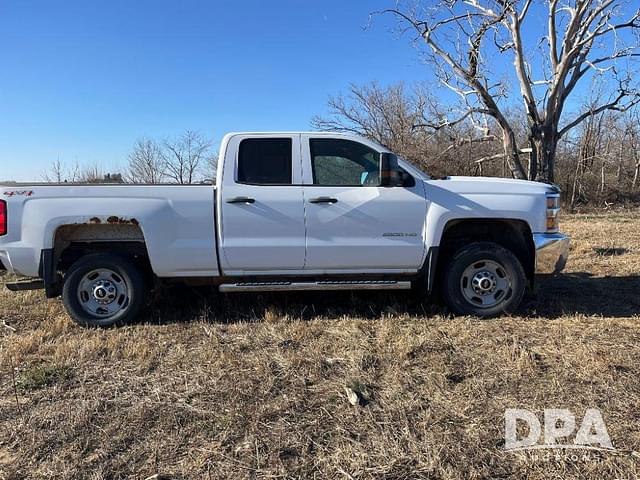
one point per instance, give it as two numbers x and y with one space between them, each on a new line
390 173
407 180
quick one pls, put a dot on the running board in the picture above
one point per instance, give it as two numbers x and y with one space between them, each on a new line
319 285
26 285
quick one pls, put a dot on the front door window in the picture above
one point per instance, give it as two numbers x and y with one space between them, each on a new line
338 162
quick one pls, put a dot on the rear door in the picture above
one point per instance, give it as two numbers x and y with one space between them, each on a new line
353 224
260 205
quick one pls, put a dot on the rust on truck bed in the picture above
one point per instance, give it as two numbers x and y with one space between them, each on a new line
113 220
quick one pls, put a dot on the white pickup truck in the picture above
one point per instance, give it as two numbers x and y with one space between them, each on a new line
290 211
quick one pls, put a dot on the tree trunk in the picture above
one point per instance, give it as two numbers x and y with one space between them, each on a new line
546 155
543 141
576 183
534 144
511 154
620 159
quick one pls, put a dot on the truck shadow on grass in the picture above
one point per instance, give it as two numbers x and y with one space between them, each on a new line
182 303
584 293
568 294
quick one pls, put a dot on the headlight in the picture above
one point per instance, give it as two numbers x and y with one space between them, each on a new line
553 212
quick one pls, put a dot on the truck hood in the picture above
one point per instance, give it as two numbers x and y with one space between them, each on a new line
455 198
492 185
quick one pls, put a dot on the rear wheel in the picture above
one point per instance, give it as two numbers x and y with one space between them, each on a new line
484 279
103 290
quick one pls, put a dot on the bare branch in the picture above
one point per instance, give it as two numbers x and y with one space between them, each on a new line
614 105
486 11
467 141
497 156
524 11
553 34
523 77
599 31
451 123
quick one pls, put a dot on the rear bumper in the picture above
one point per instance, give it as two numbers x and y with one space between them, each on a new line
20 260
552 252
4 261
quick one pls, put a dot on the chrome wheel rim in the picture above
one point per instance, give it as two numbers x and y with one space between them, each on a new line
486 284
103 293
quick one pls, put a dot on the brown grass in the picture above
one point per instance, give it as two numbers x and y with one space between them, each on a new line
254 386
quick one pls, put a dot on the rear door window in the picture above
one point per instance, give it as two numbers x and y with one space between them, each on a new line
265 161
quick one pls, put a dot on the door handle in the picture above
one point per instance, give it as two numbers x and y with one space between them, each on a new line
323 200
246 200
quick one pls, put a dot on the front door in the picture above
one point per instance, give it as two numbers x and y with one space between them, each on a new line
260 206
352 222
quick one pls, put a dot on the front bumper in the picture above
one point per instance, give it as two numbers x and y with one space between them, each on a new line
552 252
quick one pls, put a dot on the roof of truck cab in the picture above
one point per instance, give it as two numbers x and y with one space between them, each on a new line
297 132
315 134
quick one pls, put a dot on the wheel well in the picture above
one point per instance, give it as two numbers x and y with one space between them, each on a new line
135 251
514 235
73 242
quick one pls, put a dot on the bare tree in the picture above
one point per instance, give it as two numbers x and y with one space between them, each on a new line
413 124
94 173
146 164
466 39
388 115
55 173
211 168
185 156
59 172
633 146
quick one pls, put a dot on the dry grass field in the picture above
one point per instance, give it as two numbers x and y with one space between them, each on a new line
253 386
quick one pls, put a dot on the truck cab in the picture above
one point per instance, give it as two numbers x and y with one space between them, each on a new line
313 204
289 211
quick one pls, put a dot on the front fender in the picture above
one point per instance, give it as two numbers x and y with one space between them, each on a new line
446 206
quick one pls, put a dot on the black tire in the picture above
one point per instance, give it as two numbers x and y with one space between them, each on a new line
128 282
483 279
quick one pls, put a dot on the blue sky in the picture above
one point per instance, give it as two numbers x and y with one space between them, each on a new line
82 80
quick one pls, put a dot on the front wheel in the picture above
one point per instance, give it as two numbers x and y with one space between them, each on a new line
483 279
103 290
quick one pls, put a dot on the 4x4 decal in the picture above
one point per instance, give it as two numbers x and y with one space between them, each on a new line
23 193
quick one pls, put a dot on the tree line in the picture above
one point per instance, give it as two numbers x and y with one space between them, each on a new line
495 54
597 165
545 91
186 159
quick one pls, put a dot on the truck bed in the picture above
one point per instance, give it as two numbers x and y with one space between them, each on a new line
176 222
